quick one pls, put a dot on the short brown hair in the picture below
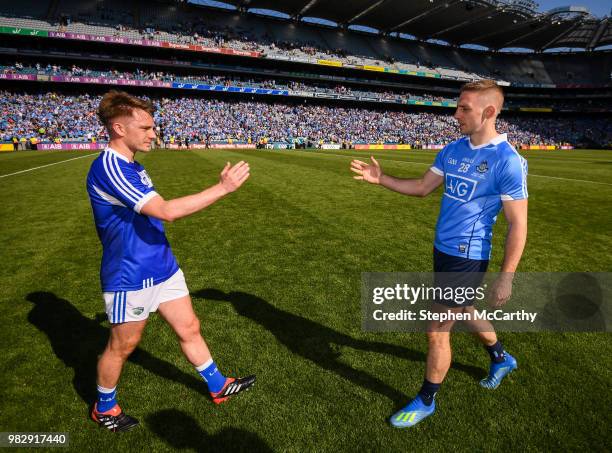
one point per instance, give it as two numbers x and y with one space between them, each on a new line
118 103
483 85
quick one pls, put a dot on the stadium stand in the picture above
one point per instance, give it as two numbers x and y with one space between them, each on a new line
51 115
182 23
222 77
345 91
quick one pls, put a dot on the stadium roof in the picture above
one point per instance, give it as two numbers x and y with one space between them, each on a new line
494 24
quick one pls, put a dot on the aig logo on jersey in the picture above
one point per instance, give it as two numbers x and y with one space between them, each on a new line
459 187
144 178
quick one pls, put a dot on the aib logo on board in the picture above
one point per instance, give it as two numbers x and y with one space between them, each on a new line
459 187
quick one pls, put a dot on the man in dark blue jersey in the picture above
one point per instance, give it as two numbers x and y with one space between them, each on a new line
139 273
482 173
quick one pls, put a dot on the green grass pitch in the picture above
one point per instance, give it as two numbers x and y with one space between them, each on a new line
274 271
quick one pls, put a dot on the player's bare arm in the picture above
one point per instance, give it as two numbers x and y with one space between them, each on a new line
230 180
373 174
139 273
515 212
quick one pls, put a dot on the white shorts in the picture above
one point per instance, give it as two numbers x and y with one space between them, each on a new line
126 306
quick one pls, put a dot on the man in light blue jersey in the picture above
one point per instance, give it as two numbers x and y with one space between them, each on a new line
482 173
139 273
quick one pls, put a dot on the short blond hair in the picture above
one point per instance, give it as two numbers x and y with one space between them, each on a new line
484 85
119 103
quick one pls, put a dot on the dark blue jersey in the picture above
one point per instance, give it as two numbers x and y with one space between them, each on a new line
135 251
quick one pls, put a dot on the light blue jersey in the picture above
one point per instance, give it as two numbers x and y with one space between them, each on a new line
136 253
476 181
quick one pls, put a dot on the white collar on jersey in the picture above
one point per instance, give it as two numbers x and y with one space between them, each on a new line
118 154
495 141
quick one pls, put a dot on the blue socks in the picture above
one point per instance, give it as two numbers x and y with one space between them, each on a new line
496 352
106 399
212 376
428 392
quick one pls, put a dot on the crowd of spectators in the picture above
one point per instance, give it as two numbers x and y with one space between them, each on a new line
200 31
184 24
139 74
52 116
566 103
48 116
196 29
380 93
385 94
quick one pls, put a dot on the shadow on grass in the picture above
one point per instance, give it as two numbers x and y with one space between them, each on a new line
181 431
314 341
77 341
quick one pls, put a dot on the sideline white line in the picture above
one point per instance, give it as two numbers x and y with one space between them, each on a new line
429 165
48 165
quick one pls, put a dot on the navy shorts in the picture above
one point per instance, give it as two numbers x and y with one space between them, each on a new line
457 272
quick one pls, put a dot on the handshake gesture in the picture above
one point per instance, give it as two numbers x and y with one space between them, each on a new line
232 178
371 173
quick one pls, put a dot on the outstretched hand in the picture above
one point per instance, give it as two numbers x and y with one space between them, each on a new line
501 290
232 178
371 173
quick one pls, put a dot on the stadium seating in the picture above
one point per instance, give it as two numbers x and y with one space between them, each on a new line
389 93
231 118
202 119
181 23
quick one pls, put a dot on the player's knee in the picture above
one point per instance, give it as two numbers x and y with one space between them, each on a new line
125 347
194 327
129 347
190 330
